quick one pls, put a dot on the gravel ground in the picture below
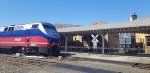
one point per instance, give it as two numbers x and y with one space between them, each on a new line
67 66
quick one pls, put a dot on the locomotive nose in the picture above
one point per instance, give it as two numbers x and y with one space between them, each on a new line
55 38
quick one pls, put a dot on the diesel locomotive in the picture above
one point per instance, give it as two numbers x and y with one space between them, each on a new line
39 37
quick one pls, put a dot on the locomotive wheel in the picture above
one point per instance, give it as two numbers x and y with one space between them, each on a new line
32 51
14 50
54 51
37 51
57 51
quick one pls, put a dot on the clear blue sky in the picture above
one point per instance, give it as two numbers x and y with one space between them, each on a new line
81 12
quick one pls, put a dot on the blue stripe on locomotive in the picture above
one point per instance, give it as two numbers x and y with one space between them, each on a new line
29 32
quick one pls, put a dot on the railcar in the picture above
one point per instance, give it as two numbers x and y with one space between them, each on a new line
39 37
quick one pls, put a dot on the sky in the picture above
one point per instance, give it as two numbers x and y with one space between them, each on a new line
77 12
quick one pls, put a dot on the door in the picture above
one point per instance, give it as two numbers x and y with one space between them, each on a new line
27 37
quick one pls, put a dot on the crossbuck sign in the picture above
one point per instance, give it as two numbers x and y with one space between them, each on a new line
95 41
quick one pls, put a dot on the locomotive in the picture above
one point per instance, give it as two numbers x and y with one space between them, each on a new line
36 38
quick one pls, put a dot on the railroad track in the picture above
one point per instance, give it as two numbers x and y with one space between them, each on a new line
137 65
142 66
25 61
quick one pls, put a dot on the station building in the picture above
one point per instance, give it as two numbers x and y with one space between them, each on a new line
117 40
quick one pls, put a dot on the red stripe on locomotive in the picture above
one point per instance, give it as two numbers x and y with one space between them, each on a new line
35 41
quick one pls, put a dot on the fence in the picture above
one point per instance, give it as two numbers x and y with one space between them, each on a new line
99 50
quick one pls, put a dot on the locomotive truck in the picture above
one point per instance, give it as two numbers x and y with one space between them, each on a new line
39 37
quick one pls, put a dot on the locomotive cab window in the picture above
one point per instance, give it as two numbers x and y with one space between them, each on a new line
6 28
11 29
35 26
47 26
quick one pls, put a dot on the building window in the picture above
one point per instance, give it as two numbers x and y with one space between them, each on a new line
148 43
148 40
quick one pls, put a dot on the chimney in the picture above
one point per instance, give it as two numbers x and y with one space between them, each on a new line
133 17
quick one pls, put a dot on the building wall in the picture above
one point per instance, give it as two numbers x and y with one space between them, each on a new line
77 38
113 40
137 41
142 40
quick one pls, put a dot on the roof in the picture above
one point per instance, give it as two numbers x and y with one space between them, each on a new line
130 24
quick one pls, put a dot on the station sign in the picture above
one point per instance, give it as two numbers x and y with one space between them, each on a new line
125 38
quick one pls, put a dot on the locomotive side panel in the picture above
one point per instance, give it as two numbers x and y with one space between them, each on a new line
38 41
24 38
12 41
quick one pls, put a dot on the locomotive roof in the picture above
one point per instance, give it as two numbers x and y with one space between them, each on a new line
27 24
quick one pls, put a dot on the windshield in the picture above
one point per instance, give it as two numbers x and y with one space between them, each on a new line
49 26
